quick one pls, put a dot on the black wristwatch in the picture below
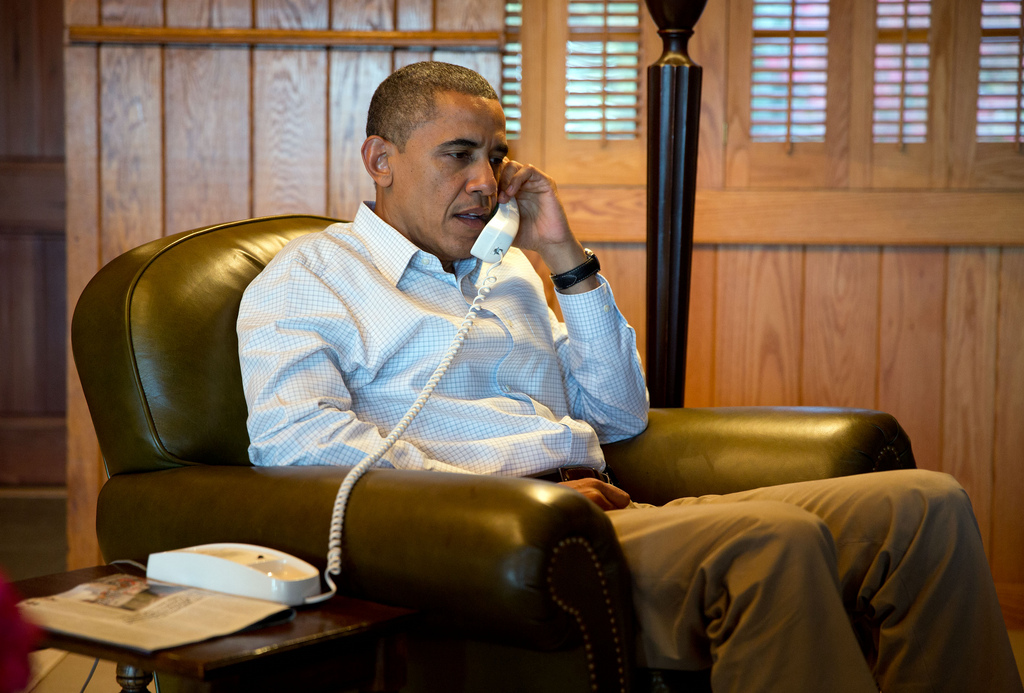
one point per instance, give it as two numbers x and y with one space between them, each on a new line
588 269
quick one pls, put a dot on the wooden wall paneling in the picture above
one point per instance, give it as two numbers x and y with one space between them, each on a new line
759 298
32 194
133 12
412 15
85 472
969 379
839 93
840 348
472 15
31 121
1006 547
997 165
737 145
81 12
709 49
964 81
131 136
354 77
290 114
207 146
290 132
945 25
32 307
531 146
292 14
19 325
212 14
861 88
32 451
911 330
700 335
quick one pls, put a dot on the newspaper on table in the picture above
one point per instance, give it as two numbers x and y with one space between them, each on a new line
144 615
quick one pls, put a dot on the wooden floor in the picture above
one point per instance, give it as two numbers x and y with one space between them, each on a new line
32 543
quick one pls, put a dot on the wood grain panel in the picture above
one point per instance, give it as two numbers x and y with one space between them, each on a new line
373 15
32 194
1007 542
133 12
839 102
213 14
81 11
32 451
909 166
354 77
861 88
840 348
737 145
997 165
412 15
1011 599
758 322
709 50
859 218
206 136
292 14
911 332
84 465
131 144
31 116
606 214
472 15
290 132
700 336
968 421
20 259
816 217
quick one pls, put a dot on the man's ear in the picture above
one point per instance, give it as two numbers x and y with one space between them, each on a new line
376 153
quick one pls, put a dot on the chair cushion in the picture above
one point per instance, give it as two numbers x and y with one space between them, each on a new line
154 342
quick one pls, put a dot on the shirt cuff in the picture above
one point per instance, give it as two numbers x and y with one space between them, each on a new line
592 314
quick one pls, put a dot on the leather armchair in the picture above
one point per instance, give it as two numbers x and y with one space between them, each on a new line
522 582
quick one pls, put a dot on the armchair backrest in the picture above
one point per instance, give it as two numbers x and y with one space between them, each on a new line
153 337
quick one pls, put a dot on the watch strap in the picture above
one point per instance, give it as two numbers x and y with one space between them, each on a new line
588 269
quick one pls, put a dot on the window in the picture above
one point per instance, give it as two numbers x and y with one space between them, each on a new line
512 70
902 64
602 70
789 71
1000 80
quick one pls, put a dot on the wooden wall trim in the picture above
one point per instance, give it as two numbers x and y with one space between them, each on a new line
812 217
474 40
32 195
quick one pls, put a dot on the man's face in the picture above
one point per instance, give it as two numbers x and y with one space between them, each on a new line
445 182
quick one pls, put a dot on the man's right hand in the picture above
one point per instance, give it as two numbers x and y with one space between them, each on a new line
605 496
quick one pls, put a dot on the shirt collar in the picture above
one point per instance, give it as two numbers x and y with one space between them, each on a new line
392 252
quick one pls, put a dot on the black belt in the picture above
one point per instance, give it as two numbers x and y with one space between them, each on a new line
572 473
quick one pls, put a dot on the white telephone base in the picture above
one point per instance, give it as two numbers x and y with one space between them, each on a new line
242 569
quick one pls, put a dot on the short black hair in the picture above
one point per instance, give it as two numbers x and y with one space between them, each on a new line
407 97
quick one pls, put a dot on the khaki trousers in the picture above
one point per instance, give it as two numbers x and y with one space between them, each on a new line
875 581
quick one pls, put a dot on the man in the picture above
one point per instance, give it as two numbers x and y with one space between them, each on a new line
341 330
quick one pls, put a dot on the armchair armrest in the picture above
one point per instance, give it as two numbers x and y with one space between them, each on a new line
491 556
693 452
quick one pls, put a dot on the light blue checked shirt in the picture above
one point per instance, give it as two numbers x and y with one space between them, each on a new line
339 333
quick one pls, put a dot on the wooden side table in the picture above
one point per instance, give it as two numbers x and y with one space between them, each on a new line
341 644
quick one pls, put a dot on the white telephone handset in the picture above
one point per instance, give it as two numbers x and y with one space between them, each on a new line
497 236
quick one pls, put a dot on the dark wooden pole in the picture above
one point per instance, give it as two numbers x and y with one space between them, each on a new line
673 119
